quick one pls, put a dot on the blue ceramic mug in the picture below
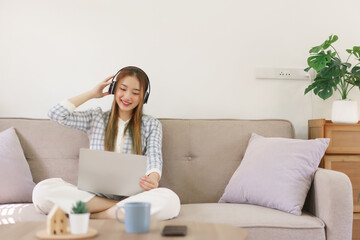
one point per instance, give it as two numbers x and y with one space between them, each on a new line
137 217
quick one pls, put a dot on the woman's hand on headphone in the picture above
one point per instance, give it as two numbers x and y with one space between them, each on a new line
98 90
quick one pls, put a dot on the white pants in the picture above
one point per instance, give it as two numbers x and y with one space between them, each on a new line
165 204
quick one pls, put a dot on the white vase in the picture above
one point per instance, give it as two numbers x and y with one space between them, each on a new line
345 111
79 223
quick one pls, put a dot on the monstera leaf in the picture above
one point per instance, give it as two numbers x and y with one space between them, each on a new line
323 87
333 69
325 45
356 51
356 72
354 78
319 61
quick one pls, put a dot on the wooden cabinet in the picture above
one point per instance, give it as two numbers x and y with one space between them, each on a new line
343 154
356 226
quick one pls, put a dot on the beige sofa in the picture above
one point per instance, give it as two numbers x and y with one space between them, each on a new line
199 157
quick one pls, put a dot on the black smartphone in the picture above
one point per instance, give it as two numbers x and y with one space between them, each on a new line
174 230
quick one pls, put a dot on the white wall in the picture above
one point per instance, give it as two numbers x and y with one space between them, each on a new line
200 55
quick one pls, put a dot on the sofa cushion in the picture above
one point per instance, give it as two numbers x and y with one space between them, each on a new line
276 172
16 182
259 222
246 215
19 212
241 215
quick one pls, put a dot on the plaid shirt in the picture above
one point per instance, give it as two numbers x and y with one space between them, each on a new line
93 122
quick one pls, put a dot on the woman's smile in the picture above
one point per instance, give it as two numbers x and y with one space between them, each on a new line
125 103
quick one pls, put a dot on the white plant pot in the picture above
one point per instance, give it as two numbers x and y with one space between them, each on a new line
344 111
79 223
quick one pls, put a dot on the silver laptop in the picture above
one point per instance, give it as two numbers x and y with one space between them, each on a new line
110 172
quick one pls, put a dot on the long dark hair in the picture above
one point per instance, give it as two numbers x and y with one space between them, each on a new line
134 125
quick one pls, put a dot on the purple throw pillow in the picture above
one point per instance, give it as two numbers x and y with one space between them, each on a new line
16 182
276 173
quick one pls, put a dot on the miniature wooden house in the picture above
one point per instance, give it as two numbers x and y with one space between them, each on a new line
56 221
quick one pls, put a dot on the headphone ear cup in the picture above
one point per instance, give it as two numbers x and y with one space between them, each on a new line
146 97
112 87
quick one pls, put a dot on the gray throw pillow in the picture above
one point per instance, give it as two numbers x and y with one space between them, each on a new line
16 182
276 173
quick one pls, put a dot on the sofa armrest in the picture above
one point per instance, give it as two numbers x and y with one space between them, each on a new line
330 199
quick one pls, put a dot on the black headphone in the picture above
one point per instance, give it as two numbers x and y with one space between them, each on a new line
113 83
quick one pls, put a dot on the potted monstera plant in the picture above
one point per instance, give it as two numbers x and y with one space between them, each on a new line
335 75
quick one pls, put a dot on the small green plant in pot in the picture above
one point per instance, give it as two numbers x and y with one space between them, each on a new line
79 218
332 74
79 207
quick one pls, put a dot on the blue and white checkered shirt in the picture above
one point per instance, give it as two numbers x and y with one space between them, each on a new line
93 122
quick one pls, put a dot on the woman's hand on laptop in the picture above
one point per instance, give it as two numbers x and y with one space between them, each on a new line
150 181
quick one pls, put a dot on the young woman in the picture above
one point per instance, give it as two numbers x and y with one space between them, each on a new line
123 129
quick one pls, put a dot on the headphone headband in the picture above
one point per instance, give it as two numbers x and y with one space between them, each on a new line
113 83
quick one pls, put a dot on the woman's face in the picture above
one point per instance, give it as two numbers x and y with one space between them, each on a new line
127 95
